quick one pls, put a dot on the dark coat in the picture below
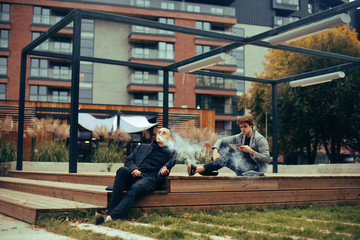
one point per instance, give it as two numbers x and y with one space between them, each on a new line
139 154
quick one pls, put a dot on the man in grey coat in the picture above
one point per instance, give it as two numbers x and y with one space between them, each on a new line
246 153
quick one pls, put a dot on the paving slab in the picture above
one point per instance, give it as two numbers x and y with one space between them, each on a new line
13 229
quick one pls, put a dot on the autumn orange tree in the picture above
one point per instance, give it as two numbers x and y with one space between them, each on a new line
327 114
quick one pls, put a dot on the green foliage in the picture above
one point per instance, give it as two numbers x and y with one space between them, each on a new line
51 151
108 154
7 151
325 115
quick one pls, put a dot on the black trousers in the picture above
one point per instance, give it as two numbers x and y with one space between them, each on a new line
136 188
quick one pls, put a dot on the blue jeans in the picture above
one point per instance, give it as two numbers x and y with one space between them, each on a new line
233 159
135 187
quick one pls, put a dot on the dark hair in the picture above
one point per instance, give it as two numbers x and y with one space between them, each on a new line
171 132
246 119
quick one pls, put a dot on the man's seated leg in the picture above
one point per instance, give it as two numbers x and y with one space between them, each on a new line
210 169
123 181
142 187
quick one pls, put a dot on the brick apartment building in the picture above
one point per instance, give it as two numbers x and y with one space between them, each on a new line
49 80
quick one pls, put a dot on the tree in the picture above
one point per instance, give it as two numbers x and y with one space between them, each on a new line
325 115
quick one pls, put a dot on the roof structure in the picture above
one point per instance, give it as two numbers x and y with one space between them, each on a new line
258 40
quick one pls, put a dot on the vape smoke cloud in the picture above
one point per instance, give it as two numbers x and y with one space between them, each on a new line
187 151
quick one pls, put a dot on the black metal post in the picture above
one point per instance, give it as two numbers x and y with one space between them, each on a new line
74 111
274 128
22 87
166 99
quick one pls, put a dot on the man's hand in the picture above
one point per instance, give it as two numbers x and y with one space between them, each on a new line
216 154
164 171
136 173
247 149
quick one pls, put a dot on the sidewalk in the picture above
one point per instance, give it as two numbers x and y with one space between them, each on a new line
12 229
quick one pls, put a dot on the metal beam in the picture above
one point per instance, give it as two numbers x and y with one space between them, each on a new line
22 88
275 147
74 110
318 72
166 99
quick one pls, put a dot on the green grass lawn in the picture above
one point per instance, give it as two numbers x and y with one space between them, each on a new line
306 222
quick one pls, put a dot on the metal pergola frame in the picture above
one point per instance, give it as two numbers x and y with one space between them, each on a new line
256 40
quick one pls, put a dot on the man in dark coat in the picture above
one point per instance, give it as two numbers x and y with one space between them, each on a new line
143 171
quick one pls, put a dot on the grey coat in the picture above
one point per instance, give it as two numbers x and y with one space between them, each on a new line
257 142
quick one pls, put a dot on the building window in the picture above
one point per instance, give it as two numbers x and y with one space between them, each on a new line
45 93
311 6
203 25
42 46
3 65
217 11
193 8
61 72
4 12
141 77
161 77
38 93
86 72
142 3
39 67
4 38
59 96
62 45
160 98
166 50
41 15
87 37
202 49
167 21
168 6
2 91
141 52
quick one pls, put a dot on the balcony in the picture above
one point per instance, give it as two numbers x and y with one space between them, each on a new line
55 46
151 79
150 54
215 83
49 20
148 103
150 31
286 5
279 21
171 6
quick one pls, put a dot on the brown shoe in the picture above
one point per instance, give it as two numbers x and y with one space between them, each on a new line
99 218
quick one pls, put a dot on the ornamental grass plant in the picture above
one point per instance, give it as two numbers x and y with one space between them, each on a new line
8 132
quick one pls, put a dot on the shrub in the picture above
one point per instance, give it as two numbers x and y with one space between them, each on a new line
7 151
108 154
111 146
51 151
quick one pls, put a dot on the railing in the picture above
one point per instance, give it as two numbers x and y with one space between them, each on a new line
152 31
148 103
49 20
171 6
151 79
146 53
279 21
51 47
211 82
291 5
